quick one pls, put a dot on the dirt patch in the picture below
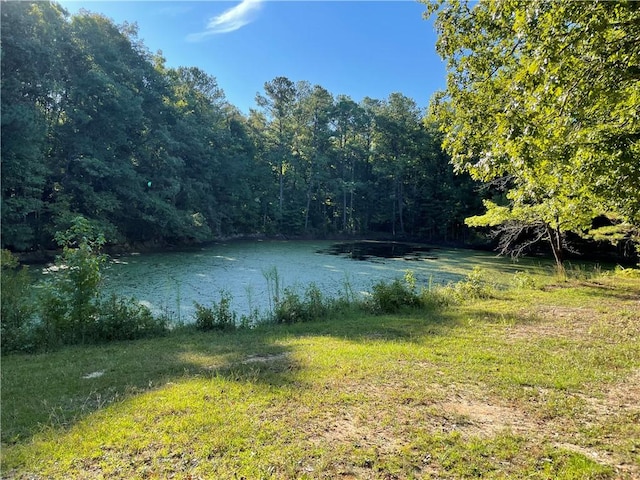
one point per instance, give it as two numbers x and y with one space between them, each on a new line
476 418
553 322
626 394
576 323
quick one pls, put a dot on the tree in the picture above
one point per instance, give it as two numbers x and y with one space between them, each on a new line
278 105
70 302
543 97
191 172
315 110
100 126
350 131
398 125
33 36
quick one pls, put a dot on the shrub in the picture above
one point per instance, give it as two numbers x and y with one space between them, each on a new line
217 317
18 308
290 308
474 285
126 319
522 280
627 272
391 297
315 305
70 300
435 296
71 308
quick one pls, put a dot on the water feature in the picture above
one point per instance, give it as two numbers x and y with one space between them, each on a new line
171 282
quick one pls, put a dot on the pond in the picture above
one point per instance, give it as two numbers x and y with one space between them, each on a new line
171 282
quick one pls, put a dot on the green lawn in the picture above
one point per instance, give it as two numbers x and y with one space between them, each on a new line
536 383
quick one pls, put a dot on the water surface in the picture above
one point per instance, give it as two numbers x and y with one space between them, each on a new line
171 282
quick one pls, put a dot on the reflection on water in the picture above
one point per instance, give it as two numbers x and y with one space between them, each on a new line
171 282
371 250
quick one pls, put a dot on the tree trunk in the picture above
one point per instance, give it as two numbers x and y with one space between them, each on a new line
400 206
555 240
281 179
344 207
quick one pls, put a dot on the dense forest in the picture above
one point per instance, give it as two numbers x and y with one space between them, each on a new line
536 137
94 124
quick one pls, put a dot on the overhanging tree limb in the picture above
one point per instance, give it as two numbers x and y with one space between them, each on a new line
536 91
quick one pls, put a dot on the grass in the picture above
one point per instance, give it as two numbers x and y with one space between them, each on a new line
531 383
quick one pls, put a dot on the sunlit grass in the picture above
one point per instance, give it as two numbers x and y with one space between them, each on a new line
536 382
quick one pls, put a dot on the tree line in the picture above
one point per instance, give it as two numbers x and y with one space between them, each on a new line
93 124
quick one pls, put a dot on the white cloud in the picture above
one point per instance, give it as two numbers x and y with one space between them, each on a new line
230 20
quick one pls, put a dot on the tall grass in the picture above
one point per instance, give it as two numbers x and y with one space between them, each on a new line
272 277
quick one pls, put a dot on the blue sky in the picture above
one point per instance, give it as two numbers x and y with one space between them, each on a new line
356 48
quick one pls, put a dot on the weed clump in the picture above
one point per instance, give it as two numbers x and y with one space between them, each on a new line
474 286
219 316
391 297
18 310
522 280
292 308
627 272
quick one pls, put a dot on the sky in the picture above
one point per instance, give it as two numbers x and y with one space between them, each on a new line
355 48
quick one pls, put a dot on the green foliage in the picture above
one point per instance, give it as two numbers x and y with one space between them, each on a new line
272 277
435 297
524 108
316 304
70 301
72 310
18 307
290 308
522 280
293 309
627 272
392 297
475 285
219 316
125 319
92 123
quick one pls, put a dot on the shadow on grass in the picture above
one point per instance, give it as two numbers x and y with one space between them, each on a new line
61 388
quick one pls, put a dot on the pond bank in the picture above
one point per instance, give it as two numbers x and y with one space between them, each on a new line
44 256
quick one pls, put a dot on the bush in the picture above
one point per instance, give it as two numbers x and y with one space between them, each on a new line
627 272
391 297
69 305
315 304
120 319
290 308
18 308
522 280
435 297
475 285
293 309
72 310
217 317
